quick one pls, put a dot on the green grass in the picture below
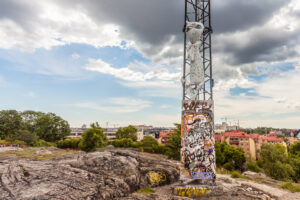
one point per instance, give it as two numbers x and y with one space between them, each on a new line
236 174
146 190
291 187
31 153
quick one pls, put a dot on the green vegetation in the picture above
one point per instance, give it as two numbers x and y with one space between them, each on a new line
252 166
236 174
127 132
69 143
275 162
173 144
31 126
229 157
146 190
291 187
92 138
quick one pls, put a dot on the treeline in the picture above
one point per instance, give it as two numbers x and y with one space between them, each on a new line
32 128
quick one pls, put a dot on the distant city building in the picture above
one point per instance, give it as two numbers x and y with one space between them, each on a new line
163 137
221 128
76 132
141 130
154 132
110 133
251 143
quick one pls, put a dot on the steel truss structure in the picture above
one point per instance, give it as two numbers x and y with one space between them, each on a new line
199 11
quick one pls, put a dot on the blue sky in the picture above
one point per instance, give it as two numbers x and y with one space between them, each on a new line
100 62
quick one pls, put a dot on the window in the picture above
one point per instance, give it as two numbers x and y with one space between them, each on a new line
246 139
242 144
241 139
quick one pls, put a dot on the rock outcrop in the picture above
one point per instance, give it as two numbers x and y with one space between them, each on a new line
114 174
111 174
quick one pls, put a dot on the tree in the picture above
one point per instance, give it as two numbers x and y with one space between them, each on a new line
92 139
29 120
148 142
51 127
229 157
295 149
10 123
173 143
127 132
275 162
26 136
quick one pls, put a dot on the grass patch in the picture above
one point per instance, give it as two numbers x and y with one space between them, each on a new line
146 190
222 171
291 187
31 153
236 174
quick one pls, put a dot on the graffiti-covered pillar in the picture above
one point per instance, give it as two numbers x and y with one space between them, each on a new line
197 135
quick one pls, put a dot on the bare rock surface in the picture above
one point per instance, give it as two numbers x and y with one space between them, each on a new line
112 174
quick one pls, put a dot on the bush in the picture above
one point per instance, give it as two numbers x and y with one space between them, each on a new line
252 166
148 142
174 144
159 149
229 166
127 132
69 143
92 139
43 143
236 174
291 187
123 143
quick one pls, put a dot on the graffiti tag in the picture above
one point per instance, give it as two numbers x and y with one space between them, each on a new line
193 191
157 177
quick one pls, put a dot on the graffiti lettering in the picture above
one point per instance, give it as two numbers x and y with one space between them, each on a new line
194 105
193 191
197 152
157 177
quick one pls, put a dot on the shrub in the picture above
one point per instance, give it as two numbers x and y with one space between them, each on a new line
146 190
123 143
43 143
69 143
236 174
92 139
291 187
159 149
229 166
127 132
252 166
148 142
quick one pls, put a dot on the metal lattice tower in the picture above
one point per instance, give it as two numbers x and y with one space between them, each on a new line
197 134
199 11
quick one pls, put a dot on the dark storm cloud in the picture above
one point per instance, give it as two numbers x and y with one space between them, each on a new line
236 15
151 23
18 11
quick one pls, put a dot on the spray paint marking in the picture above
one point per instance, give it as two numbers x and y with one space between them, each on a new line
197 152
193 191
157 177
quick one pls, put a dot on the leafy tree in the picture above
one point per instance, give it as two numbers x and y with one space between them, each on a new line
69 143
127 132
24 135
295 149
148 142
229 156
51 127
29 120
173 143
275 162
10 123
92 139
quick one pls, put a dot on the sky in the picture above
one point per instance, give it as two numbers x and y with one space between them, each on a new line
120 62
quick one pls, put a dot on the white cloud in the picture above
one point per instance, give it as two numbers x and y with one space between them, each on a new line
117 105
75 56
129 73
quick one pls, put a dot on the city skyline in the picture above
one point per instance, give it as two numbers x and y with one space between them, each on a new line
91 61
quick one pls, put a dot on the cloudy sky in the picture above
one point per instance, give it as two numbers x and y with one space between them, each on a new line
120 61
